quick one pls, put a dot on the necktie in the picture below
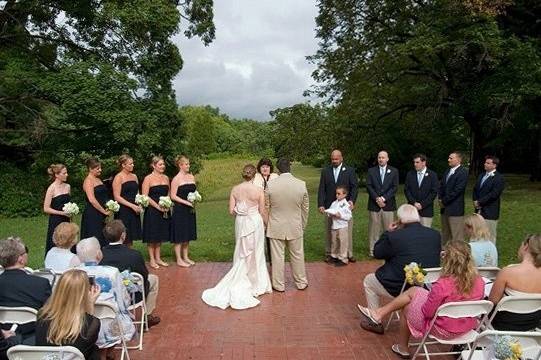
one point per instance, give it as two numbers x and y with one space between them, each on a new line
449 175
382 174
336 171
419 178
484 178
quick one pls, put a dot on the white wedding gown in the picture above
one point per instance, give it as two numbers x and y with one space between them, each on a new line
248 277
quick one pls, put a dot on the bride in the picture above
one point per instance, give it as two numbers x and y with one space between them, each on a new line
248 278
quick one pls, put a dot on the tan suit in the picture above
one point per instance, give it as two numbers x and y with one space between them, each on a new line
286 200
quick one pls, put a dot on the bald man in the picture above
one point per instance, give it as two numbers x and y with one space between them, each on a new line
381 184
332 176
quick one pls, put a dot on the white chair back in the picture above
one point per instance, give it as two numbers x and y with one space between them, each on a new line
489 272
48 274
105 310
17 315
25 352
518 304
529 340
462 309
432 274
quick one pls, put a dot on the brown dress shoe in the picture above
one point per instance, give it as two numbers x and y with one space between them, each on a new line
352 259
153 320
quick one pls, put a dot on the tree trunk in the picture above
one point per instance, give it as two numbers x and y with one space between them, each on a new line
477 145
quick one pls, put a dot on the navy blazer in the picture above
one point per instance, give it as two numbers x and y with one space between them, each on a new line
414 242
452 192
124 258
489 195
327 186
376 189
425 194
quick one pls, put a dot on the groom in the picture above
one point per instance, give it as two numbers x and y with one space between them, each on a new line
286 200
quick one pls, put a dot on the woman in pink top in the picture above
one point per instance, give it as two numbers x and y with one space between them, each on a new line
458 281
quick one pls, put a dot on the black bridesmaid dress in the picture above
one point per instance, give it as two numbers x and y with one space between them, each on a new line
130 218
155 226
57 203
93 221
183 228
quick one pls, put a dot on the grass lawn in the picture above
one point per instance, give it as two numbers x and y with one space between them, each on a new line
520 216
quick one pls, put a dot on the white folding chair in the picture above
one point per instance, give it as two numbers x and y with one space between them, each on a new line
517 304
106 310
455 310
17 315
488 272
143 320
432 274
529 340
48 274
25 352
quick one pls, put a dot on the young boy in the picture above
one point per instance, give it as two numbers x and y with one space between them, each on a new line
340 213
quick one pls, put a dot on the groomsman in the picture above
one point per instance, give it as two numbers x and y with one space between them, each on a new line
381 184
487 193
332 176
421 188
451 196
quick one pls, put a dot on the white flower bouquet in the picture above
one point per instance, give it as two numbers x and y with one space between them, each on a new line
112 206
141 200
166 203
194 197
71 209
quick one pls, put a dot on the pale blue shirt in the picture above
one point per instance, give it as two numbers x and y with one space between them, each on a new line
484 253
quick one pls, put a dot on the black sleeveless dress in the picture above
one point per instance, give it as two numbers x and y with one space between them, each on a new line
92 221
183 228
57 203
131 220
155 226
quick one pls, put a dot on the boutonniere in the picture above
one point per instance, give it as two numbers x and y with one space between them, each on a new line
343 169
426 174
492 174
342 205
388 171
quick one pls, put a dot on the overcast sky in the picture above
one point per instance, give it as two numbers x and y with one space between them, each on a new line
257 61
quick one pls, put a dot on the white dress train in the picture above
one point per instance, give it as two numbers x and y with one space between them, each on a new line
248 277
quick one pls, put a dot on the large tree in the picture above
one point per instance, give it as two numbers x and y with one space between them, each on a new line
404 69
92 75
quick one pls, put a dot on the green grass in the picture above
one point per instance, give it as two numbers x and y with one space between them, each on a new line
520 214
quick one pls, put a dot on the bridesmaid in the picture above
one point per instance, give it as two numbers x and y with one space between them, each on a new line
96 196
156 223
183 229
58 193
125 188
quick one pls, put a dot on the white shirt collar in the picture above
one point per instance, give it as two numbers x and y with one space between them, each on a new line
382 167
453 169
338 167
491 172
422 171
116 243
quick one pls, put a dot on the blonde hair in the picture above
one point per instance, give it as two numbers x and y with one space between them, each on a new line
122 159
65 235
155 159
55 169
458 264
181 159
248 172
66 307
478 226
534 248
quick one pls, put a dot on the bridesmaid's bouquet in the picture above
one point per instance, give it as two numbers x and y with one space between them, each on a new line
71 209
194 197
166 203
141 200
113 207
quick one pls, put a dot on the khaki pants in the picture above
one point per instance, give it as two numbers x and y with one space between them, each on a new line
426 221
154 285
328 239
378 222
296 258
340 243
492 227
452 228
373 290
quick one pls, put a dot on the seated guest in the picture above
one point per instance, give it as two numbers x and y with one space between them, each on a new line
406 241
124 258
60 258
520 279
7 340
459 281
481 241
17 287
66 319
112 289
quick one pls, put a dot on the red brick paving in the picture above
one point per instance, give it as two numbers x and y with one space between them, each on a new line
321 322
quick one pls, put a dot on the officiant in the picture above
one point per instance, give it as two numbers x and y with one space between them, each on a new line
333 175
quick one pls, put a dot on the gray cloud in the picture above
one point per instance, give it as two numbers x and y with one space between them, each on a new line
257 62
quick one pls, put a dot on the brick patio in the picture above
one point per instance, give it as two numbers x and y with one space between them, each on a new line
321 322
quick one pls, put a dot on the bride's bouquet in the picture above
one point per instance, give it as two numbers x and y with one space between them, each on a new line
113 207
194 197
71 209
141 200
166 203
504 348
415 274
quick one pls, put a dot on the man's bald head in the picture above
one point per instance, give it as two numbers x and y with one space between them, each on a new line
336 158
383 158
